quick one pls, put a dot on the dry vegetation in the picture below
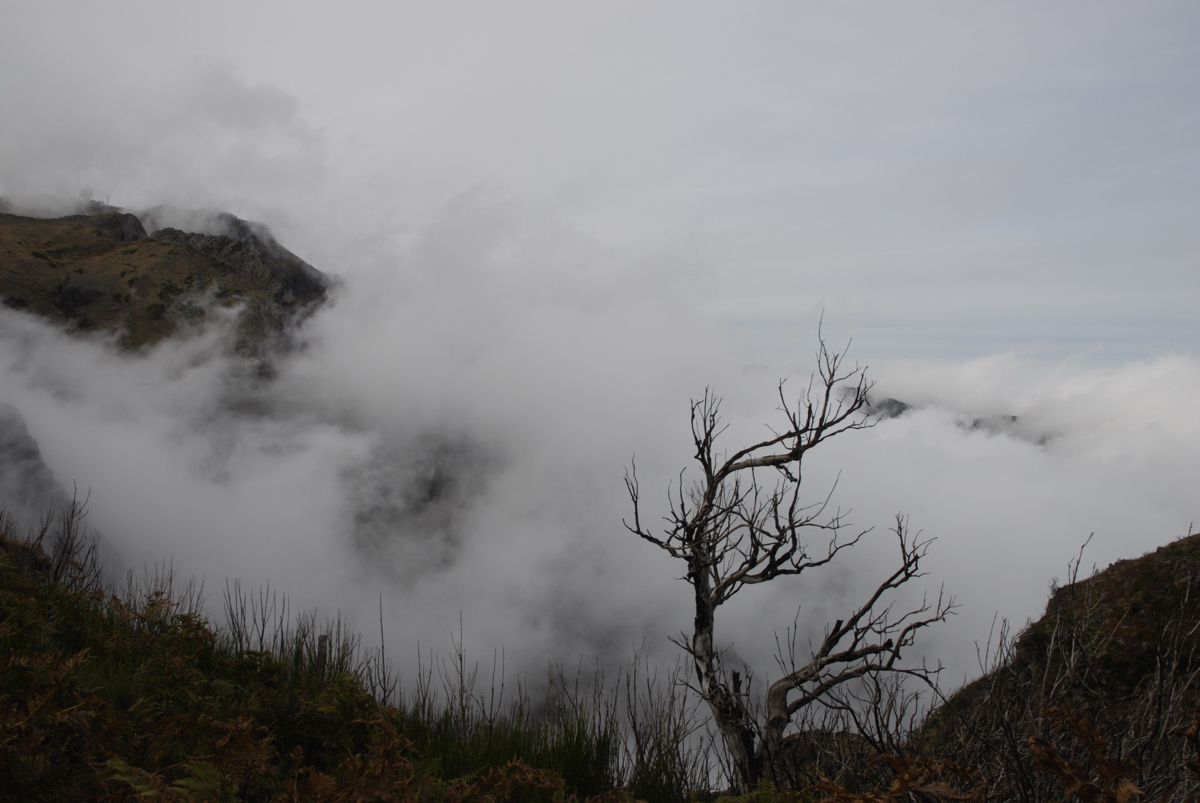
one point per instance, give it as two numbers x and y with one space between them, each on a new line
137 696
1103 690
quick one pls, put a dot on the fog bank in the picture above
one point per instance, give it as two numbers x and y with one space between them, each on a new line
452 435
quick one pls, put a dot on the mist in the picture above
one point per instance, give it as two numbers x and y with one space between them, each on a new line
553 228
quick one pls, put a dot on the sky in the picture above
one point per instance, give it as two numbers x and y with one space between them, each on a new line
556 223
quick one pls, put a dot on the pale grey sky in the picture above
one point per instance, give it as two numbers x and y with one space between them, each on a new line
944 179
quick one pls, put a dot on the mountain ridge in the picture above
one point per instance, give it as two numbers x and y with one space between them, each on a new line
102 272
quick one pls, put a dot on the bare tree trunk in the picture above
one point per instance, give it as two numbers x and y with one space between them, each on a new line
730 713
776 723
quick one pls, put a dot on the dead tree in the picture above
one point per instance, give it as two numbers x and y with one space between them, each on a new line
734 529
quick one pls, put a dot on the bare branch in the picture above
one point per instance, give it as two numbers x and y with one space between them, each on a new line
734 530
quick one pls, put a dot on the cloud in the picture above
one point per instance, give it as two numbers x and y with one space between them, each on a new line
452 435
556 225
152 141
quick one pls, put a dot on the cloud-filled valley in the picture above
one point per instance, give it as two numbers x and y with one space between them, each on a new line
457 444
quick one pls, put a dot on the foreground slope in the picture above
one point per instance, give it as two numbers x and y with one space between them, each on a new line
1105 685
137 697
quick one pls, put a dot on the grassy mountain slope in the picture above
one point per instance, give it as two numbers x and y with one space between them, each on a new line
1111 673
1110 633
102 273
137 697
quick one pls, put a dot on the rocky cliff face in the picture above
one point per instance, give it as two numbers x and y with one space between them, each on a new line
103 273
28 488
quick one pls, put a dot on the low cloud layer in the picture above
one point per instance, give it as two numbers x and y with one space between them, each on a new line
453 436
557 225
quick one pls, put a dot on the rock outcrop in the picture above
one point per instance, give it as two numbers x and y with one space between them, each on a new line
28 488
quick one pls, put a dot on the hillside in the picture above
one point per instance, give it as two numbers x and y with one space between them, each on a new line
1125 616
138 697
1112 667
103 273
